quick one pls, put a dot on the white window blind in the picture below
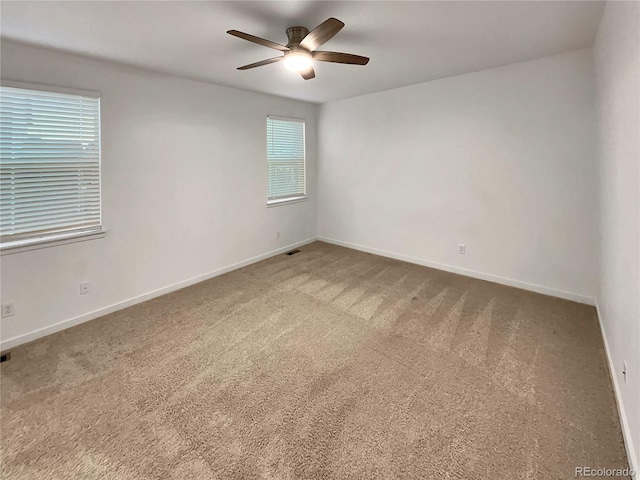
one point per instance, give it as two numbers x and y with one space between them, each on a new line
285 159
49 164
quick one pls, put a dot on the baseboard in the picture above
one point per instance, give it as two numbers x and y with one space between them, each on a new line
626 431
56 327
466 272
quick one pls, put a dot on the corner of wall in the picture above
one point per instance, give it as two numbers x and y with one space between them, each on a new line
624 420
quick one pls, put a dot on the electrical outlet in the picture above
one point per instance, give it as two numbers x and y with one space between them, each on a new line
277 235
624 371
461 249
85 288
8 310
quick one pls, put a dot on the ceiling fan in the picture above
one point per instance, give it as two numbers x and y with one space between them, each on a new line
300 51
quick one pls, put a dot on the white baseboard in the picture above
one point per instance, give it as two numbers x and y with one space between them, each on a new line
466 272
48 330
34 335
56 327
626 430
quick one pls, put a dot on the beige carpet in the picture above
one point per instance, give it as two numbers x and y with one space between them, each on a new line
330 363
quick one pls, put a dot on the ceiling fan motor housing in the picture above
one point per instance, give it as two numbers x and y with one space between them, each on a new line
295 35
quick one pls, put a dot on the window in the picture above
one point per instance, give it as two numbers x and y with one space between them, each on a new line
49 165
285 160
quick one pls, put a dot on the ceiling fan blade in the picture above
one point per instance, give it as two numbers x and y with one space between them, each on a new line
321 34
261 63
308 74
337 57
258 40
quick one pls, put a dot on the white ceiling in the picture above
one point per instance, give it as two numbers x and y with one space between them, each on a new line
408 42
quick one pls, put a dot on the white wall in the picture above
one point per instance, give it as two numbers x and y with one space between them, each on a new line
617 63
184 190
501 160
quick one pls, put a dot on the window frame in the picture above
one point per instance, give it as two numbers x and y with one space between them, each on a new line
276 202
59 237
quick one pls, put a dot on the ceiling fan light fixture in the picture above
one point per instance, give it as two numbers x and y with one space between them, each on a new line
301 51
297 61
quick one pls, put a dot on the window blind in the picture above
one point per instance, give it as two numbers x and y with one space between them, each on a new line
285 159
49 163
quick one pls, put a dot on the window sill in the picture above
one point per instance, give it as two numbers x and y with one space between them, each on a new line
20 246
286 201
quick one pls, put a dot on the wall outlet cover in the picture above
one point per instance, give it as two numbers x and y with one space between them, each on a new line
8 310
